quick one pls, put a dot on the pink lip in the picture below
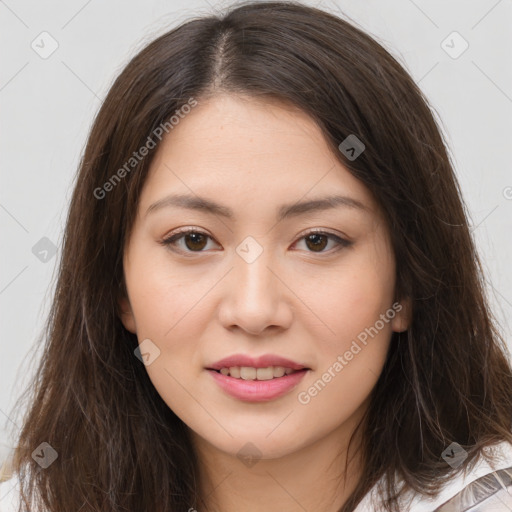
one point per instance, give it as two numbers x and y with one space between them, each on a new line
259 362
258 390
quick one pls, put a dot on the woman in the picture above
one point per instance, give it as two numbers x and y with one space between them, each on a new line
269 298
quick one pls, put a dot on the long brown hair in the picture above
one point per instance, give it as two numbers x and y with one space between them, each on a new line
446 379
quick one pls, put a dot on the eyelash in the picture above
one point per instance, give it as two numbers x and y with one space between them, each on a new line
171 240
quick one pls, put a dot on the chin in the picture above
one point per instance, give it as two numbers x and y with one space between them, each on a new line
255 444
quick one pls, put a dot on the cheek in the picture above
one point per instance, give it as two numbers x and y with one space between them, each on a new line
352 342
352 352
168 310
349 299
163 296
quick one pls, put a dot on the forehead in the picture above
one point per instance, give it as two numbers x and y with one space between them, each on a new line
231 146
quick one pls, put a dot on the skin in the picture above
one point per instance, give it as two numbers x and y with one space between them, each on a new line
294 301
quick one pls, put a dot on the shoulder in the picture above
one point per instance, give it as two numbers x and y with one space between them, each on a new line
488 485
9 494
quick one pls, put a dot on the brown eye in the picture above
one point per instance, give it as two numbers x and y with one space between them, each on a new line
195 241
316 242
192 240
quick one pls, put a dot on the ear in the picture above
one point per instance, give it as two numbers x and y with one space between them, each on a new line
126 314
403 317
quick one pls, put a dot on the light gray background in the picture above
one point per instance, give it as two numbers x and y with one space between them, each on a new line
47 107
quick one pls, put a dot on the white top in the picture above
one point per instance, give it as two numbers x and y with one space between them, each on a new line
413 502
9 501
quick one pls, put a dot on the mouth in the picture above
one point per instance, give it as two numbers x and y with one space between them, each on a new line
257 383
257 379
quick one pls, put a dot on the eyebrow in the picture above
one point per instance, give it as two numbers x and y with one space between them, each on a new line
203 204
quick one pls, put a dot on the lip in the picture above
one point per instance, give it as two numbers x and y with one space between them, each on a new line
258 390
263 361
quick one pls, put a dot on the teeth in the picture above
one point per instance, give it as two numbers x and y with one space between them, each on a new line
265 373
248 373
279 371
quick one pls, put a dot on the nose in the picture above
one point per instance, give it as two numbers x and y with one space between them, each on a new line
256 296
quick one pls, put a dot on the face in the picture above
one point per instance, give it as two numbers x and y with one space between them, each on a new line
259 276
